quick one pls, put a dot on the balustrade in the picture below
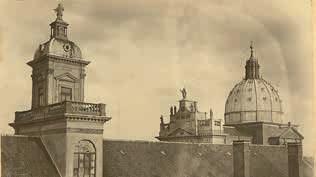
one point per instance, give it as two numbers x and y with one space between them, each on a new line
66 107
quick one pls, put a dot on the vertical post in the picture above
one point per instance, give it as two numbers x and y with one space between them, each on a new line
102 109
1 162
68 106
241 158
196 125
295 153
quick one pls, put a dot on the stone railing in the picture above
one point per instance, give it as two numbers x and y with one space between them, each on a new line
211 132
206 122
60 109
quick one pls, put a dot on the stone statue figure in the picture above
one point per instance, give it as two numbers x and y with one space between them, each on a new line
184 93
59 11
161 120
211 113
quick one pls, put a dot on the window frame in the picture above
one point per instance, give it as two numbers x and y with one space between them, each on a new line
64 95
84 163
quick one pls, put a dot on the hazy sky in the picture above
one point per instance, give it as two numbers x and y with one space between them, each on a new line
144 51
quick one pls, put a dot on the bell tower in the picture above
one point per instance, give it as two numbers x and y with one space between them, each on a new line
58 67
70 128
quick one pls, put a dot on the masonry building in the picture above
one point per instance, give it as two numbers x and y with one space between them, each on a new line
253 112
70 128
62 134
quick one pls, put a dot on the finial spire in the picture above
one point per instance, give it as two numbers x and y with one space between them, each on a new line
59 11
184 93
251 49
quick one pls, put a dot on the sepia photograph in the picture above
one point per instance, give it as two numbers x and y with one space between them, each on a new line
157 88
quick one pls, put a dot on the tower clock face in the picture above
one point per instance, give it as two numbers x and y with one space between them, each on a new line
67 47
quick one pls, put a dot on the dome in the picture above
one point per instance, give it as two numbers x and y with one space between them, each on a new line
58 47
253 99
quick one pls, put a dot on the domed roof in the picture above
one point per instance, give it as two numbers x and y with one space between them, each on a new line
253 99
58 47
58 44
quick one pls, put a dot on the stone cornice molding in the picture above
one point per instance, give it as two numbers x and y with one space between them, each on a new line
59 59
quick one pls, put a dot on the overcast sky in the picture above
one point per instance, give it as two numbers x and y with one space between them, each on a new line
144 51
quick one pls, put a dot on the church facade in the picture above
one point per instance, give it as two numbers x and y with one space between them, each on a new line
253 112
62 134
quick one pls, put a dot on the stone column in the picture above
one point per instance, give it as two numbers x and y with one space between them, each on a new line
295 159
241 155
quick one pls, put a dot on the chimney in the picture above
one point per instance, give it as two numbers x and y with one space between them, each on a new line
295 159
241 158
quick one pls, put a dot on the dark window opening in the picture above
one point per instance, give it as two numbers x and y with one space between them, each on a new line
66 94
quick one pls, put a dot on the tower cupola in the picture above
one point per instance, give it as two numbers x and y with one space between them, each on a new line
59 26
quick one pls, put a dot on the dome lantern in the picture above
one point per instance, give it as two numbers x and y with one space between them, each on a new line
252 65
59 26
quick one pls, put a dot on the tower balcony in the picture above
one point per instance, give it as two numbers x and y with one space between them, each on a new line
78 110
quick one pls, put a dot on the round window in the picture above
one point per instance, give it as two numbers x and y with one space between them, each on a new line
67 47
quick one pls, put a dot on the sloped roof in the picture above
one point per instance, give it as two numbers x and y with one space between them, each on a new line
25 156
161 159
180 130
285 132
232 131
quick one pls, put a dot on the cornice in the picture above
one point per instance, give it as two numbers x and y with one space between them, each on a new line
59 59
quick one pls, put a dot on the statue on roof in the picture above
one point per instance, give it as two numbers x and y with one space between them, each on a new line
161 120
59 11
184 93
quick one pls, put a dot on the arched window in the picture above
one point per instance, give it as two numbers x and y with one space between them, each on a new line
84 159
